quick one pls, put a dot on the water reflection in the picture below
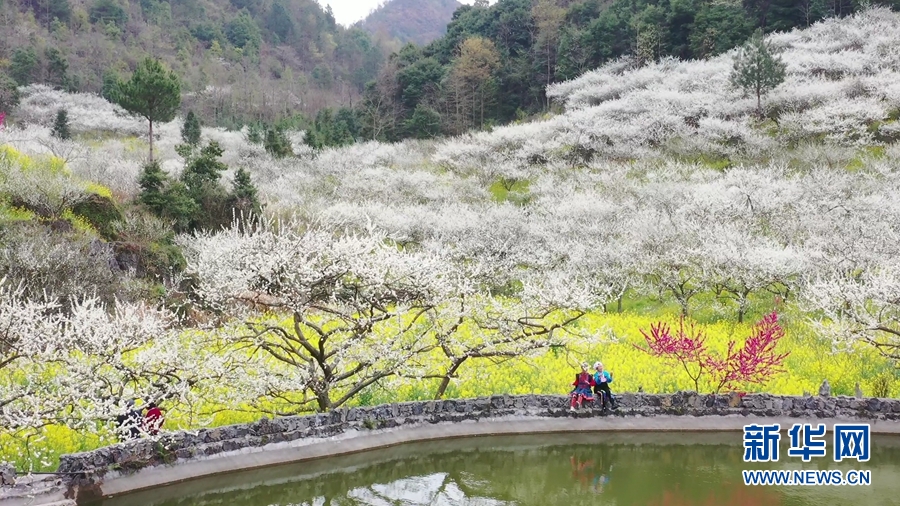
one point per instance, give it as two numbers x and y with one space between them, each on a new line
437 489
620 469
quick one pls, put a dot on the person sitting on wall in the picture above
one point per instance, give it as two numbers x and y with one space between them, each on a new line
153 420
602 379
582 392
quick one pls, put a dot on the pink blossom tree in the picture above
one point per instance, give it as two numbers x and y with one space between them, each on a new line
754 361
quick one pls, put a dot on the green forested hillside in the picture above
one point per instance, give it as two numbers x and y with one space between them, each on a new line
495 61
238 59
244 61
416 21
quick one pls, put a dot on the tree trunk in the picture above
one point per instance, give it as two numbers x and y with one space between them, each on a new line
324 401
549 70
619 304
151 140
445 381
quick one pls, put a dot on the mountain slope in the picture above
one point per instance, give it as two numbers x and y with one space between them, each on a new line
416 21
239 60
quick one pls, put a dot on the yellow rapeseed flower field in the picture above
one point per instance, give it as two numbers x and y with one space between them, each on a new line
810 361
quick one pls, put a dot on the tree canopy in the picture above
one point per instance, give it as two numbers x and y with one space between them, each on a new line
152 93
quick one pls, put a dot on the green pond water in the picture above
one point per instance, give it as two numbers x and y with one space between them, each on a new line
667 469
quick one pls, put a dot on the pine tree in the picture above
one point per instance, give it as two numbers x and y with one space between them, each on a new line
244 200
190 132
152 93
153 182
9 93
204 170
277 144
165 198
756 70
61 125
111 85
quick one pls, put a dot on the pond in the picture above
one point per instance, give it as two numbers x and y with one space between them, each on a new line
622 469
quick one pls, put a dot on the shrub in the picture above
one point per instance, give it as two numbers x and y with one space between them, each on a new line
101 212
753 362
882 385
64 263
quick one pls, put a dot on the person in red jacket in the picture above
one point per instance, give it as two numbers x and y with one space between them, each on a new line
153 420
582 392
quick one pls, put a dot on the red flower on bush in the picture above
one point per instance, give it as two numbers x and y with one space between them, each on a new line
752 362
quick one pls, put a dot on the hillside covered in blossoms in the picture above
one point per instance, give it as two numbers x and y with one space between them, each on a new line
231 280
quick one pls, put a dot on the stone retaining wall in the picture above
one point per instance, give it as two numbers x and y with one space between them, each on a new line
83 474
179 446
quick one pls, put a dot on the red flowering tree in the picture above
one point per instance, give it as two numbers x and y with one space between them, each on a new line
754 361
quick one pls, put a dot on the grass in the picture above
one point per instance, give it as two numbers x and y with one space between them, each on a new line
510 190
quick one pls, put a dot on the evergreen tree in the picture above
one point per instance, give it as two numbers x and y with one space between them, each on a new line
108 11
152 93
153 182
312 139
277 144
255 133
204 170
61 125
22 66
57 69
756 70
425 123
190 132
165 198
180 206
200 181
110 86
244 200
9 93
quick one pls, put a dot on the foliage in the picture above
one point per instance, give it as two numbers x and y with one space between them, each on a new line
23 66
756 69
152 93
197 200
277 144
76 45
108 11
190 132
61 125
332 129
424 123
165 198
244 198
40 184
243 33
9 93
881 386
544 42
100 212
57 69
755 361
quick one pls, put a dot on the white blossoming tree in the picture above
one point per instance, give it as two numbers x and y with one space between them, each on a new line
336 310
